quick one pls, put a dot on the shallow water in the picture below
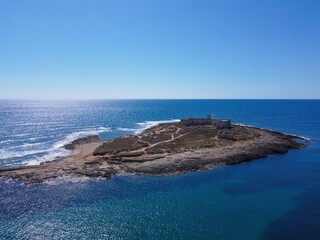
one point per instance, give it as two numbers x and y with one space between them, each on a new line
273 198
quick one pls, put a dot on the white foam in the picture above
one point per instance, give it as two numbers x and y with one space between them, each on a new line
50 156
57 149
5 141
70 179
15 154
21 135
31 139
126 129
145 125
148 124
76 135
26 145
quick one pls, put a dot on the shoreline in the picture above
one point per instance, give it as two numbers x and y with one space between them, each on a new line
306 139
167 148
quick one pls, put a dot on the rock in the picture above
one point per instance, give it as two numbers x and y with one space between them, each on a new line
90 139
165 149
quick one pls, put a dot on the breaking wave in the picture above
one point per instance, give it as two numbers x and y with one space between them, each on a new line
35 153
148 124
126 129
48 154
77 135
145 125
6 141
15 154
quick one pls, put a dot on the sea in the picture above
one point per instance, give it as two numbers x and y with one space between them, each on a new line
277 197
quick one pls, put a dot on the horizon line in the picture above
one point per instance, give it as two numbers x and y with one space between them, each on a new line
132 99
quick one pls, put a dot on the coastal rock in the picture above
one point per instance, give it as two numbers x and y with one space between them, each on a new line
165 149
85 140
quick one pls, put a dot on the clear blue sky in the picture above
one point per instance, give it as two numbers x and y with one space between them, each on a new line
96 49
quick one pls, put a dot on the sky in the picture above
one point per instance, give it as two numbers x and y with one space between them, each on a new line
159 49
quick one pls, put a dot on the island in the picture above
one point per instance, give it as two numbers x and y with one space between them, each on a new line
188 145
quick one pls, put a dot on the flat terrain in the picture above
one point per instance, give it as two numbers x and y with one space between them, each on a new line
165 149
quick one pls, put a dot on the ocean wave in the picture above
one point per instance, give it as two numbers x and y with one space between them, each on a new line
81 134
21 135
148 124
16 154
26 145
145 125
38 123
50 156
126 129
56 150
6 141
32 139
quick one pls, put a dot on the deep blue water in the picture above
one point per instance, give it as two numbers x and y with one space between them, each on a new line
277 197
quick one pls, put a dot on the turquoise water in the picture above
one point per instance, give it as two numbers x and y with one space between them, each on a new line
272 198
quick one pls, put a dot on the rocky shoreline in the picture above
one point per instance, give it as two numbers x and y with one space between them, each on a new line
165 149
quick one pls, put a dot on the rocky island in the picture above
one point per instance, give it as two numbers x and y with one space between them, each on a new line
188 145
